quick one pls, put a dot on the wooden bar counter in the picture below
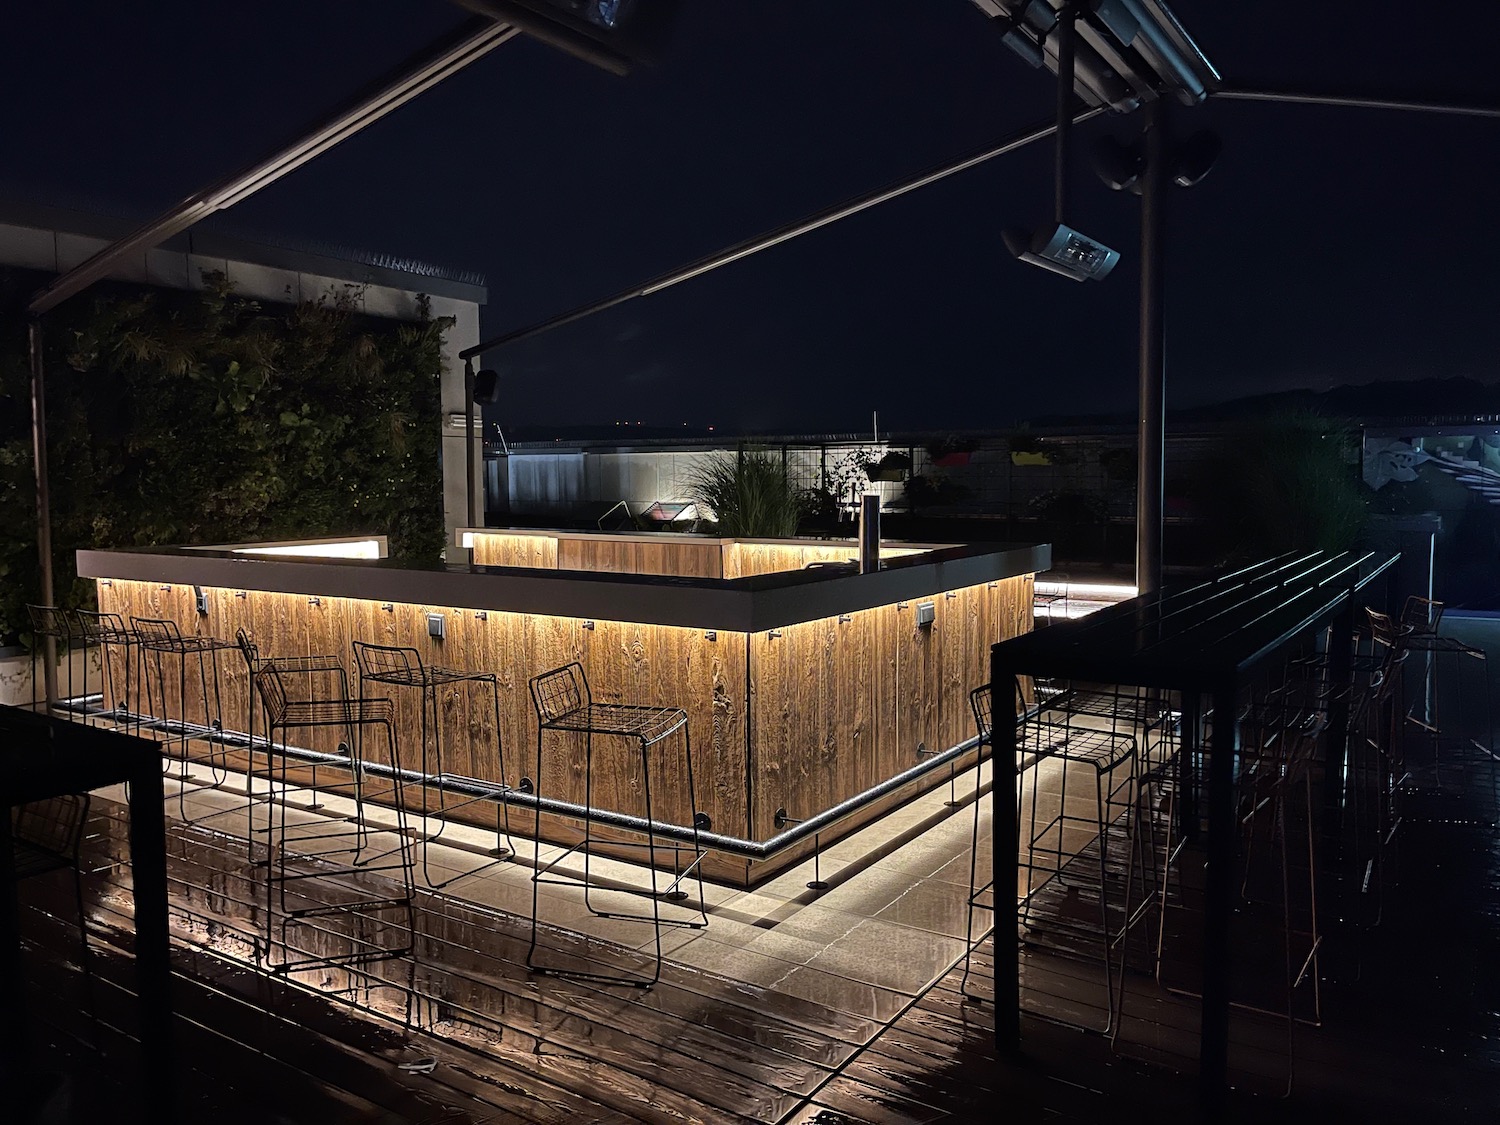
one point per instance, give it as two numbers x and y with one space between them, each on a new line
805 686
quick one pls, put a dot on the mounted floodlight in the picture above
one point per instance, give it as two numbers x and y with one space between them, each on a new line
1015 37
1194 157
1118 164
487 386
1064 251
1121 165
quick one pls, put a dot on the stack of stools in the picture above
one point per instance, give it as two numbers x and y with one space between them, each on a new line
403 667
563 703
159 643
364 889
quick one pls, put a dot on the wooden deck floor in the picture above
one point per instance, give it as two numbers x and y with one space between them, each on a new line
1411 1027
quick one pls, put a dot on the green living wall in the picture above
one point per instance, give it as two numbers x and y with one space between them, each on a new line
200 417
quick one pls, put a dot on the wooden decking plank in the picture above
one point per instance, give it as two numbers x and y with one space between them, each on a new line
649 1079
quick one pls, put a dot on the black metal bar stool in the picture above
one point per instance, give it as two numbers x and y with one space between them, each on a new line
347 838
158 639
108 631
313 671
50 622
1053 732
563 703
981 894
403 667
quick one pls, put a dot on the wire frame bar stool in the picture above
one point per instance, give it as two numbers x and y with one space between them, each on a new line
160 640
108 632
563 703
51 622
395 666
373 884
310 672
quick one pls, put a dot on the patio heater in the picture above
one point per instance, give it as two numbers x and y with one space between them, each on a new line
1124 55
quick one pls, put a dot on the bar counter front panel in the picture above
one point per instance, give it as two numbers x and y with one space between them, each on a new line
798 717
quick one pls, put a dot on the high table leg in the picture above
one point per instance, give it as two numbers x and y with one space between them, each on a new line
1213 1064
1005 857
148 872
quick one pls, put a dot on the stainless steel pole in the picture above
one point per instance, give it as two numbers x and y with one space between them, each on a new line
35 342
1151 433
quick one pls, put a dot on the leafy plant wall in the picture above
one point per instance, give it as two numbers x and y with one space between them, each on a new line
200 417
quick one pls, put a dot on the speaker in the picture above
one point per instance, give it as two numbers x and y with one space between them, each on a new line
487 386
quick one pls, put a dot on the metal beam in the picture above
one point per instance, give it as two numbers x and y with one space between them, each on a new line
444 58
1361 101
778 236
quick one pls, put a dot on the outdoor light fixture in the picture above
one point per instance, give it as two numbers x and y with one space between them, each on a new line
1064 251
1194 157
1128 52
1120 164
1059 248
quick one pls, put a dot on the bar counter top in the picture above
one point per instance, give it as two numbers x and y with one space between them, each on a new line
749 604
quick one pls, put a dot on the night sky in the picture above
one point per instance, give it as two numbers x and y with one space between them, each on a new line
1328 246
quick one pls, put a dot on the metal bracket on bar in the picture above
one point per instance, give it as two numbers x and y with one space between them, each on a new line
952 802
781 820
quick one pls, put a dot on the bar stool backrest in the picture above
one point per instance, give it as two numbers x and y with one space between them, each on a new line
559 693
1421 615
1384 631
53 827
982 706
49 621
273 695
157 632
248 649
388 663
102 628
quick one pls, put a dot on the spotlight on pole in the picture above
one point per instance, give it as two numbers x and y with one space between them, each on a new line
1118 164
1194 157
1063 251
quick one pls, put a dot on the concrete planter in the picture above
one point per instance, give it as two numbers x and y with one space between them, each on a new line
15 675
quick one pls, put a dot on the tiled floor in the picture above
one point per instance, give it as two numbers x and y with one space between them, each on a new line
881 933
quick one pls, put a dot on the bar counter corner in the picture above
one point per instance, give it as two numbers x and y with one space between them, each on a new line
810 689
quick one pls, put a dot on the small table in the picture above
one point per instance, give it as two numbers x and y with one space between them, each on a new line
42 757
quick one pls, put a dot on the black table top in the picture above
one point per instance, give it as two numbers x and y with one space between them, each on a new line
1198 636
43 757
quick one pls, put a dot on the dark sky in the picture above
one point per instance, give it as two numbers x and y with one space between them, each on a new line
1328 245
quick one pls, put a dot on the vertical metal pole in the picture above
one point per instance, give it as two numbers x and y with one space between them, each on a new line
869 533
153 943
1005 855
1151 435
469 488
43 496
1218 910
1065 49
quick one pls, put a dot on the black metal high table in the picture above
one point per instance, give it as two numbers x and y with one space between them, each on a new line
42 757
1200 640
